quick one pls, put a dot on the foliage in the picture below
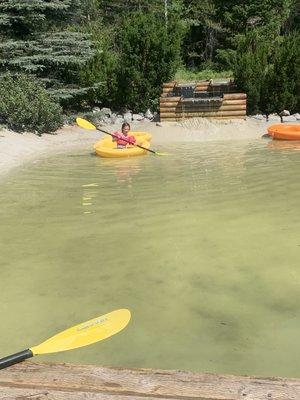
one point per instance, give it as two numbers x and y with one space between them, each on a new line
117 53
267 71
115 10
149 56
93 117
183 74
203 28
26 106
35 40
282 86
270 17
238 16
100 72
250 67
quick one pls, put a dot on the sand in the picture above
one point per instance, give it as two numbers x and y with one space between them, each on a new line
18 149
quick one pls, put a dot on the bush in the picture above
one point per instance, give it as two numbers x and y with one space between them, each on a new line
100 72
93 117
186 74
149 55
268 71
282 85
26 106
251 65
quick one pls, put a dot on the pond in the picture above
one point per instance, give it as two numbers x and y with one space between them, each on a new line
202 246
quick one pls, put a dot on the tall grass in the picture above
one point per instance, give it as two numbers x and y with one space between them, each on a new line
183 74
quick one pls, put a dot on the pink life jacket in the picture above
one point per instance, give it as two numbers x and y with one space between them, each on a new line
120 139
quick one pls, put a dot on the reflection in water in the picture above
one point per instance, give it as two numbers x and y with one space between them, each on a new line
284 145
120 171
88 195
202 246
123 169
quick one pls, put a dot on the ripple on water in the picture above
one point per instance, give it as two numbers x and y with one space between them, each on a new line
203 247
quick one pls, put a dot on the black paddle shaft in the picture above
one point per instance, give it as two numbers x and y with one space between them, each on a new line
15 358
128 141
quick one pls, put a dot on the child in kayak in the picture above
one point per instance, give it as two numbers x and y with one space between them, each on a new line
120 136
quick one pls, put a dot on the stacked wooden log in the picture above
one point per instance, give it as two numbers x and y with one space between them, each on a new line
227 106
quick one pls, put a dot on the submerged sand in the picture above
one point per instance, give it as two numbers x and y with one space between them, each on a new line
17 149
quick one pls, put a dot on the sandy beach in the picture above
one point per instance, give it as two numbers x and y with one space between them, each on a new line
17 149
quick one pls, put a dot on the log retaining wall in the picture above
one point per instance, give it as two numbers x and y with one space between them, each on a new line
214 101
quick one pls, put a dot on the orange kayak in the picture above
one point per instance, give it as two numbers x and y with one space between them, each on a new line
284 132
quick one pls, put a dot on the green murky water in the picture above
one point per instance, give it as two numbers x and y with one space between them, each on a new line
202 246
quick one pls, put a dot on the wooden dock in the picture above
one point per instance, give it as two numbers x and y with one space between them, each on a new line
52 381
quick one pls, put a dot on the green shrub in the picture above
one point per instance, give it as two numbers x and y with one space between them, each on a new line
26 106
186 74
268 71
93 117
282 87
149 55
101 71
251 65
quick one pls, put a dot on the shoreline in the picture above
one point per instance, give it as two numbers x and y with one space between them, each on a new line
18 149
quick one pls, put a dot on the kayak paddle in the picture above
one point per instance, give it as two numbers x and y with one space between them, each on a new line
86 333
83 123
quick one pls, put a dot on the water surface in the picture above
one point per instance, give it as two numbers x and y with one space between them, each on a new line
202 246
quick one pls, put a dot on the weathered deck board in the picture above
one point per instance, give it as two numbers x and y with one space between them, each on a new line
32 381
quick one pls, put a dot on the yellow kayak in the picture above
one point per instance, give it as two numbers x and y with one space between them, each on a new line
108 149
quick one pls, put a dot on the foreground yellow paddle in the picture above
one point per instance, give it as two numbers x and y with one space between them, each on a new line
83 123
80 335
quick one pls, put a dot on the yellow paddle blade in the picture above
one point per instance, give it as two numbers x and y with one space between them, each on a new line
163 154
83 123
85 333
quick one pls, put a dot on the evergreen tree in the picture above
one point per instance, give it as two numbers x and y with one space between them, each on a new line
238 16
101 70
268 71
149 55
202 34
114 10
35 40
249 64
269 16
282 85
